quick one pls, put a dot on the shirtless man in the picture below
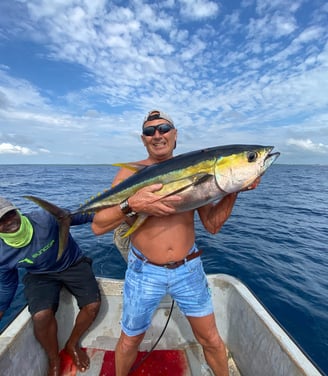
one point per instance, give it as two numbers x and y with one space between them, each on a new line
166 237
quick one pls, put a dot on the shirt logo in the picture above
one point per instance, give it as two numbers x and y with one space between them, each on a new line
27 260
38 253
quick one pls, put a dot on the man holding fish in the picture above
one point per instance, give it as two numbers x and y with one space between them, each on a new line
164 258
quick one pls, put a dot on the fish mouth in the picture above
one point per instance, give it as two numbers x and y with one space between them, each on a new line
270 159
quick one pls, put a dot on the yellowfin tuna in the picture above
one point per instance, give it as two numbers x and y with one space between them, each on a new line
198 177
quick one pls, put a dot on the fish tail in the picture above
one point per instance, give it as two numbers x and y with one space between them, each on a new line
63 218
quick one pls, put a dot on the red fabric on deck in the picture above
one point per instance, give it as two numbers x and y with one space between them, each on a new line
159 363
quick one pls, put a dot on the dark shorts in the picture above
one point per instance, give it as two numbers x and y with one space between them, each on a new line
42 291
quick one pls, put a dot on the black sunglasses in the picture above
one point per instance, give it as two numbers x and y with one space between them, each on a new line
161 128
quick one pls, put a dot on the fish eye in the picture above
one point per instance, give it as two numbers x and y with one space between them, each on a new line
252 156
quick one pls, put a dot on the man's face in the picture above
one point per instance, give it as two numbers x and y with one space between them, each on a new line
10 222
161 143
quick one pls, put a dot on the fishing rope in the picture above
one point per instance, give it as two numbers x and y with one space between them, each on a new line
135 367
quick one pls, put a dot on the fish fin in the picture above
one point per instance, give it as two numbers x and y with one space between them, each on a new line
135 167
201 178
138 222
63 218
180 185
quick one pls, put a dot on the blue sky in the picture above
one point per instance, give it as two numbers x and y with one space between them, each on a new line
78 76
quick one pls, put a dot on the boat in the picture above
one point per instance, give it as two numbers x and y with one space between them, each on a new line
256 344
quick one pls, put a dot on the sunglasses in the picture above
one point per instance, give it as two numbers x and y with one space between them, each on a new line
161 128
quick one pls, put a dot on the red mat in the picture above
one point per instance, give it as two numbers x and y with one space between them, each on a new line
158 363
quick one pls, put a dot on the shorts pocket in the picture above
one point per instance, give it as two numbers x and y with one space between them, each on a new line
194 265
134 263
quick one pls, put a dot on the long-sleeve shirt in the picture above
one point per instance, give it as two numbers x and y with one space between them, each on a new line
39 256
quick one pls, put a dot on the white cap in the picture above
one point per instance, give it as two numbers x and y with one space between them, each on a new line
157 114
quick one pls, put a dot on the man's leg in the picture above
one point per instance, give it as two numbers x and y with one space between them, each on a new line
206 332
79 279
126 353
144 287
45 331
83 321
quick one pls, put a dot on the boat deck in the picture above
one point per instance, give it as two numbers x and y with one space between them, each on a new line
176 354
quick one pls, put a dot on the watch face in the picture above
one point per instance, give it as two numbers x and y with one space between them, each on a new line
124 206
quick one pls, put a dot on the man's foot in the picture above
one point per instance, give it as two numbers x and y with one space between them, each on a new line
54 367
79 357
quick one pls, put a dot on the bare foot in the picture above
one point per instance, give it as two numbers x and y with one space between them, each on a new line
80 357
54 367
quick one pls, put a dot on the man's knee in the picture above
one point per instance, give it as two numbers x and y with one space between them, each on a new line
209 337
43 318
127 343
92 309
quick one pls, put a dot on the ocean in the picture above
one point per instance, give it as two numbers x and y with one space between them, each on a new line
275 240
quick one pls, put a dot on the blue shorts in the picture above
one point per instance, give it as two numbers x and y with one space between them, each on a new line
146 284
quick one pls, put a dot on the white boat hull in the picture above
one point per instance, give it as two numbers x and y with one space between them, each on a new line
258 345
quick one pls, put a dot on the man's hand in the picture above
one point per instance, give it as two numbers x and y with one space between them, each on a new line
147 201
255 183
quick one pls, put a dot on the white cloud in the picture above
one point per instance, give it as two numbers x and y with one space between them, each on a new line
233 71
199 9
19 92
6 148
308 145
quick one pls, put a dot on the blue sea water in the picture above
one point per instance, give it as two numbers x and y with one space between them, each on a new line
275 240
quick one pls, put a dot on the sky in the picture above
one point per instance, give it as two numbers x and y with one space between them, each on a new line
77 77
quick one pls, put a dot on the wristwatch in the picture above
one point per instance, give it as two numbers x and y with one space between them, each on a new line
125 207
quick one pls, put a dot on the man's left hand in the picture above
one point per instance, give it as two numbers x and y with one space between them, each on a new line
255 183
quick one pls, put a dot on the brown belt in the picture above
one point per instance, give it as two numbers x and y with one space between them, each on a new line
172 264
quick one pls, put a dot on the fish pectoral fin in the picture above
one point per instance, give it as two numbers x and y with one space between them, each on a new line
135 167
174 187
63 218
138 222
201 178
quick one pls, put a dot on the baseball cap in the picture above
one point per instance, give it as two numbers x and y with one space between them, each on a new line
157 114
5 207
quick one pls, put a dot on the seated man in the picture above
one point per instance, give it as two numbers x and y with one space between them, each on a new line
31 242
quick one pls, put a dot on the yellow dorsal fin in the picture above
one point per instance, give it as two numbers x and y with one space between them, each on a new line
135 167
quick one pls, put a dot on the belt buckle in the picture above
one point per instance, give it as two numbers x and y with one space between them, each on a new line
170 265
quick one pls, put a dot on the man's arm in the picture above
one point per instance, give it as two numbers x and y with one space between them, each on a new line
213 216
8 287
81 218
143 201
